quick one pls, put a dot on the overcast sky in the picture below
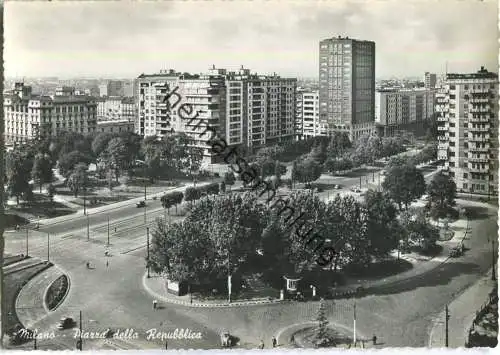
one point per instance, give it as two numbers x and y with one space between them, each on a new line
125 39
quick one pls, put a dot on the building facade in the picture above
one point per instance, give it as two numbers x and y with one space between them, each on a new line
111 88
116 108
430 80
468 130
29 116
347 85
308 115
245 109
410 110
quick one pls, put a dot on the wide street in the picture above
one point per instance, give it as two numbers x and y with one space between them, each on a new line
113 296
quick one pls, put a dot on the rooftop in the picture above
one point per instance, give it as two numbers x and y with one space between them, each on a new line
481 74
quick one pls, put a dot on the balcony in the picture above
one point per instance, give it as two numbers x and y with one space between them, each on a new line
442 128
478 170
479 160
479 129
443 138
479 119
478 139
442 119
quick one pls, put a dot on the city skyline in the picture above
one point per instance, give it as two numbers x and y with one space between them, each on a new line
124 39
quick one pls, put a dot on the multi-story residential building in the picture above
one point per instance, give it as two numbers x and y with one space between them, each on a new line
116 108
111 88
115 126
29 116
399 110
468 130
347 85
65 91
308 115
246 109
429 80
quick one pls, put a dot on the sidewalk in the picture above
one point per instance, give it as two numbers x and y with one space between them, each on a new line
30 303
462 312
155 286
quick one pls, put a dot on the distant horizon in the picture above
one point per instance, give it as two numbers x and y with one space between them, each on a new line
124 39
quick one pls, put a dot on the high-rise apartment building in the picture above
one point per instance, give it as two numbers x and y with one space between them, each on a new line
410 110
308 115
347 85
29 116
246 109
429 80
468 130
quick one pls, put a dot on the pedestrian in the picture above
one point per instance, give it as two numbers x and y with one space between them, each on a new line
166 345
115 229
374 338
261 345
292 339
107 263
274 342
154 304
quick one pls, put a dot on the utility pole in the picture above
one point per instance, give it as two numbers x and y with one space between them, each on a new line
88 228
27 233
108 230
81 330
34 343
84 200
447 317
354 318
229 277
48 246
360 182
147 237
145 212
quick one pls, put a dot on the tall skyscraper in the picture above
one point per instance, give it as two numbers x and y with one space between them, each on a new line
429 80
468 130
347 85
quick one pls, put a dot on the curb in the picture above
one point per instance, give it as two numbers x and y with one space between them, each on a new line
45 306
206 305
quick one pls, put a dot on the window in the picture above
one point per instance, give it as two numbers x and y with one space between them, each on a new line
465 175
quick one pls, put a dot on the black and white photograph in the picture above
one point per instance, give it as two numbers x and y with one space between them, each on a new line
249 175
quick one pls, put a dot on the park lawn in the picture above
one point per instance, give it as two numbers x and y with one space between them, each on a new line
42 207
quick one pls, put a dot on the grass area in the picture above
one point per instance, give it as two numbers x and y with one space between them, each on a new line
381 269
42 206
13 283
307 338
56 292
12 220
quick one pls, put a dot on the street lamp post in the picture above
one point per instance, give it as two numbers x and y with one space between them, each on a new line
84 200
108 231
48 246
88 228
27 233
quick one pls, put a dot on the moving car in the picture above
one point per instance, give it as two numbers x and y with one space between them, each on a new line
66 323
140 204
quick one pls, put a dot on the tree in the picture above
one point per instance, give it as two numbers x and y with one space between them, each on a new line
19 166
100 142
309 170
418 231
322 338
68 161
78 178
118 155
51 191
42 169
382 224
295 172
191 194
183 250
442 193
195 158
404 184
229 179
278 171
223 187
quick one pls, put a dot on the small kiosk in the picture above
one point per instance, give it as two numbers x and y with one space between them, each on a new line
292 284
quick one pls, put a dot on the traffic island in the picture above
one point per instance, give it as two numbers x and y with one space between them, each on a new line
56 292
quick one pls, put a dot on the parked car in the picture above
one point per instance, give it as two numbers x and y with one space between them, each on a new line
336 187
140 204
66 323
225 339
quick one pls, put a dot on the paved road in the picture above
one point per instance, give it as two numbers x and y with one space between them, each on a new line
113 296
